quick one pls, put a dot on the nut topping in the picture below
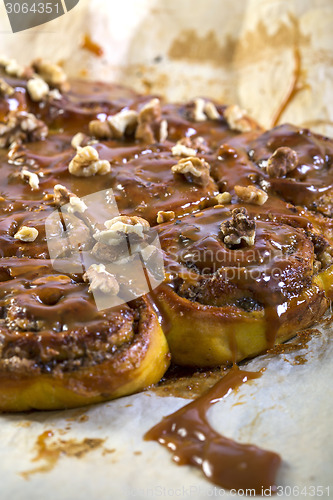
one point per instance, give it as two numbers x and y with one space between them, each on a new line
211 111
100 130
5 89
51 73
21 127
122 123
11 67
282 161
121 226
194 170
77 140
223 198
165 216
26 234
33 178
101 280
203 110
38 89
237 119
149 119
86 163
240 228
181 150
251 194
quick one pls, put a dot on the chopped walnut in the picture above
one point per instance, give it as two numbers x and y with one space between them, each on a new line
26 234
197 144
5 89
198 112
101 280
223 198
38 89
51 73
149 117
101 130
86 163
237 119
194 170
55 95
121 226
123 123
282 161
76 205
240 228
33 178
181 150
251 194
165 216
11 67
203 110
77 140
163 131
21 127
211 111
61 195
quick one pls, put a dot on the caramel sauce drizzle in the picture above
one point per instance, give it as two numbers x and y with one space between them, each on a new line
192 441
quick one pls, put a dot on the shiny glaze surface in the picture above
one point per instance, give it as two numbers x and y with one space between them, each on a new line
192 441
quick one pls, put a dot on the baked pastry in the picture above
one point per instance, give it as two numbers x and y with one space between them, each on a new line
240 279
197 173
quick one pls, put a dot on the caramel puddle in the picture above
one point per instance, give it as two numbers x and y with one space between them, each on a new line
192 441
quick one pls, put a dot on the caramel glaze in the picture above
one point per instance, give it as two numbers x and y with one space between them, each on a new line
269 276
311 183
192 441
49 321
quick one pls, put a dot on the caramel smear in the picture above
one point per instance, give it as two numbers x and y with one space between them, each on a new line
93 47
189 436
49 451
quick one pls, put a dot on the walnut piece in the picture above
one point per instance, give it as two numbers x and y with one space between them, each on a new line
282 161
123 123
21 127
211 111
5 89
181 150
240 228
150 122
11 67
100 130
203 110
51 73
33 178
163 131
165 216
26 234
223 198
121 226
61 195
77 140
76 205
86 163
237 119
194 170
251 194
101 280
196 144
38 89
